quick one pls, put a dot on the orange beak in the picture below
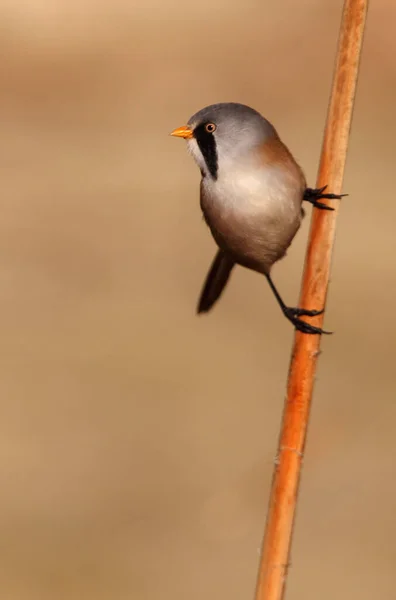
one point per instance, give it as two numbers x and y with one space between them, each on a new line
183 132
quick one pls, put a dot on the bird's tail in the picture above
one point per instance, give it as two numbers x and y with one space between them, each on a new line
215 282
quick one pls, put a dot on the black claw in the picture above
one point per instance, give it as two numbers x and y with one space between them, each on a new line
293 313
303 312
313 195
333 196
321 205
306 328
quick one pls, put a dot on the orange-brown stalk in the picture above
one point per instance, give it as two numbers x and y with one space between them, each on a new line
282 505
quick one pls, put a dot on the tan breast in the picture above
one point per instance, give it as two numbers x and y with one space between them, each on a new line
254 211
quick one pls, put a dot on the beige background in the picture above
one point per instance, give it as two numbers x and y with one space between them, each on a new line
137 440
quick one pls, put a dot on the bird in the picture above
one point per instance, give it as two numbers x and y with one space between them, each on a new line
251 195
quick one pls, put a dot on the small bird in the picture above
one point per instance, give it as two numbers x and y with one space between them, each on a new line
251 196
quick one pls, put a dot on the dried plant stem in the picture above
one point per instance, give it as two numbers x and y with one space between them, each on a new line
276 546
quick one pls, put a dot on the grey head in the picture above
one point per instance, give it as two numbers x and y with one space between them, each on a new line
225 135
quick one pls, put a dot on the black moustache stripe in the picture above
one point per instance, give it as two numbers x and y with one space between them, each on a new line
207 144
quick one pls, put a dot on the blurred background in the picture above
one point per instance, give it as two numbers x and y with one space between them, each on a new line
137 440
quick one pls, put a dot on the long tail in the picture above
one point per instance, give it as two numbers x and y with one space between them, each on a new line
215 281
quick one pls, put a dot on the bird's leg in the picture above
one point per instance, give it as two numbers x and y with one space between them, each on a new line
292 313
313 195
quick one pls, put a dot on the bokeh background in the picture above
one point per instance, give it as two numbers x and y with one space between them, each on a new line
137 440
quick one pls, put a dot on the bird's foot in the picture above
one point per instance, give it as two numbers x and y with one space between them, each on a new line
313 195
292 314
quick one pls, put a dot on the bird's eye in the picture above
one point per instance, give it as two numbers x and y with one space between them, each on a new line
210 127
